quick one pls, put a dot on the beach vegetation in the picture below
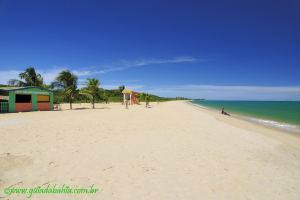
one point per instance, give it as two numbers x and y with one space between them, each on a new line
65 89
120 90
91 90
67 82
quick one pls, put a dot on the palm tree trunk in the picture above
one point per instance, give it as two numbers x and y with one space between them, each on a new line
70 103
93 102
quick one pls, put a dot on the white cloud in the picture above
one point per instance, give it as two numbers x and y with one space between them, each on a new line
230 92
82 72
110 69
143 62
126 81
135 87
125 64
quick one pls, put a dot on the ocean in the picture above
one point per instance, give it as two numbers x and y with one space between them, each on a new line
279 114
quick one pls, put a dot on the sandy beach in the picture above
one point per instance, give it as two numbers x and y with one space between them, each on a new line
172 150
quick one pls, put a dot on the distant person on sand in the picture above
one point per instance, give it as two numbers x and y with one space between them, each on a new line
224 113
147 99
127 99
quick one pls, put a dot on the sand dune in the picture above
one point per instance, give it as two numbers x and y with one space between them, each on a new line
170 151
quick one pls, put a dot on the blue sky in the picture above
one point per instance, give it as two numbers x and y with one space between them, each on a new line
200 49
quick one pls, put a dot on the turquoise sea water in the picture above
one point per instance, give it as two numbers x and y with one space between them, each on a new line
284 114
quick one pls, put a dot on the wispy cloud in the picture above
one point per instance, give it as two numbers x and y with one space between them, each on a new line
143 62
126 64
125 81
136 87
230 92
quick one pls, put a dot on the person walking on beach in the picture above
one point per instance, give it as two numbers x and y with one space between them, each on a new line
147 99
127 99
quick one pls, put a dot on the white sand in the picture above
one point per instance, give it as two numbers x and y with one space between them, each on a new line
170 151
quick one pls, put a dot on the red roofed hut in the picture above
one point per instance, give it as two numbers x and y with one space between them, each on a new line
130 95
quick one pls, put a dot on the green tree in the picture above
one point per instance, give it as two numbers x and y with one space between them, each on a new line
120 89
141 97
28 78
91 90
105 98
67 81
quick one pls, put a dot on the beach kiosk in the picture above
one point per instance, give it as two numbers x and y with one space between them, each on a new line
24 99
131 96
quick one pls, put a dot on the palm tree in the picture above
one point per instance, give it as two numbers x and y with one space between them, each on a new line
105 97
68 82
30 77
141 97
91 90
121 88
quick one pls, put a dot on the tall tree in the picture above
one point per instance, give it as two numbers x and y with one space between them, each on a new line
105 97
121 88
91 90
68 82
28 78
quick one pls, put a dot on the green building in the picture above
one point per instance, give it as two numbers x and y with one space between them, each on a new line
24 99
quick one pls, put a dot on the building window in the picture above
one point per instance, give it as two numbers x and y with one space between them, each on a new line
43 98
23 98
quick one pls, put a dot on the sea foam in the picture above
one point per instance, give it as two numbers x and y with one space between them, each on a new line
281 125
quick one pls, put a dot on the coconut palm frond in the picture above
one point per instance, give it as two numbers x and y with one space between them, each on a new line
91 90
67 81
86 93
31 77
